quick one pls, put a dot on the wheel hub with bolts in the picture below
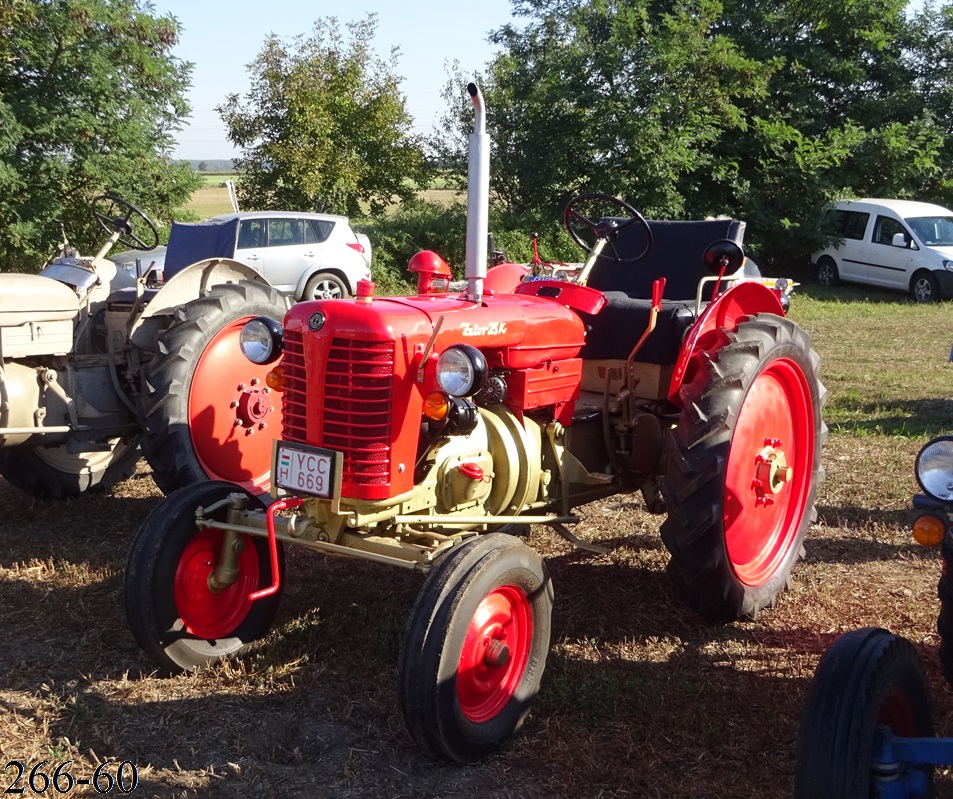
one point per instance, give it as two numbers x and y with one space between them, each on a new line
771 472
252 406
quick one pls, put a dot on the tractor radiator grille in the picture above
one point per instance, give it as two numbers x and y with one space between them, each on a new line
294 414
357 404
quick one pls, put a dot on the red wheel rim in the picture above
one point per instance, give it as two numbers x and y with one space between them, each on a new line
897 712
206 613
232 416
495 652
761 526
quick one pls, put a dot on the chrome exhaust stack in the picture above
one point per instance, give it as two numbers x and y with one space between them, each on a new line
478 199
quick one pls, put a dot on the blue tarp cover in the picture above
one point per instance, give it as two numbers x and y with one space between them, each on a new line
195 241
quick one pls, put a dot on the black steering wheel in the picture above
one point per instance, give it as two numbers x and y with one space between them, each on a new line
115 215
578 218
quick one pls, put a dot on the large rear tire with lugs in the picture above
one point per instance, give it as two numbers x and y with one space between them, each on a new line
205 409
743 464
58 472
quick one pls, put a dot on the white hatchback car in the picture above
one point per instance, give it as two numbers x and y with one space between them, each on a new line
310 256
898 244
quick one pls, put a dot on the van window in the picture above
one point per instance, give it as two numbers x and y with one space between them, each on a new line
885 229
934 231
845 224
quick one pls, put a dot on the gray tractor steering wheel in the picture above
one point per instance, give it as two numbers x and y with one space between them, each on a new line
115 214
578 219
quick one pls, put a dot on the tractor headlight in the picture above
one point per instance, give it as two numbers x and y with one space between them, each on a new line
461 370
934 468
260 340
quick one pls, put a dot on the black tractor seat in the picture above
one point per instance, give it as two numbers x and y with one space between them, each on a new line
677 254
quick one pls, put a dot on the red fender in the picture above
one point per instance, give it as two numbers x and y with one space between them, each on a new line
744 299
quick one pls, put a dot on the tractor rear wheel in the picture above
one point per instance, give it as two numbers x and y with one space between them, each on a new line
868 678
176 617
743 464
205 408
475 647
57 473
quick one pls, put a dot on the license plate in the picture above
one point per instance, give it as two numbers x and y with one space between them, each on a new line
307 470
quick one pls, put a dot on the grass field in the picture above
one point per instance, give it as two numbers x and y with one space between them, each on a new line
640 697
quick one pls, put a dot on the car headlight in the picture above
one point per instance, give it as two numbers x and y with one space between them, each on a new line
461 370
260 340
934 468
948 265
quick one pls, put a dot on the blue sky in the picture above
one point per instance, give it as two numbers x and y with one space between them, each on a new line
221 37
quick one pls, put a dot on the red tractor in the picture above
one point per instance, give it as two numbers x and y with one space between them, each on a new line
424 431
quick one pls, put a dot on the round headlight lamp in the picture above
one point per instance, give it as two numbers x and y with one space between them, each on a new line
934 468
461 370
260 340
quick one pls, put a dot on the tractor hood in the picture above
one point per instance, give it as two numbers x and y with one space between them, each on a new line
34 298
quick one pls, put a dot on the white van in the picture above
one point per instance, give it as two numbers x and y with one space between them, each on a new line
898 244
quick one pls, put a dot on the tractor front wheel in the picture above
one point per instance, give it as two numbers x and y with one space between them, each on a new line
205 408
869 681
179 617
743 464
475 647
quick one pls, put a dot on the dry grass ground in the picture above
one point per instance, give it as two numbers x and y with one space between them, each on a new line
640 697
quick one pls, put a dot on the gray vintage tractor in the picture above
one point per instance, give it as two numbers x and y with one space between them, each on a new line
96 360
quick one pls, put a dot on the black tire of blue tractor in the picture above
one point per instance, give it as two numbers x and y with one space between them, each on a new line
56 473
697 452
434 637
944 624
164 404
151 569
866 677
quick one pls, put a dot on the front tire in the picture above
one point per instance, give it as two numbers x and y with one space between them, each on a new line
205 408
924 287
176 618
868 677
743 464
57 473
827 274
475 647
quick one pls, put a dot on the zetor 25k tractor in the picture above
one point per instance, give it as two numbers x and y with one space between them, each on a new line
424 431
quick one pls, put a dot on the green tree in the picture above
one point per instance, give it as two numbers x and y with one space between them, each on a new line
324 125
755 108
615 96
90 97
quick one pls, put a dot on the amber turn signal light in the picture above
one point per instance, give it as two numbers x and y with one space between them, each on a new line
928 530
436 406
275 379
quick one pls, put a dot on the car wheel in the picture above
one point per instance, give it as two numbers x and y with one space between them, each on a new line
924 288
827 272
325 286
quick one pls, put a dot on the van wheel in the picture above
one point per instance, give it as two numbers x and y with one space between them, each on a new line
827 272
924 288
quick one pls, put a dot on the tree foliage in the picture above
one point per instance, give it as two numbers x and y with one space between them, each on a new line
324 124
89 99
763 110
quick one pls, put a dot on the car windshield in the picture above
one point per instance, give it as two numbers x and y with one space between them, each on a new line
935 231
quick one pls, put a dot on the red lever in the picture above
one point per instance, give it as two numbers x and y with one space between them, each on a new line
281 504
658 288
